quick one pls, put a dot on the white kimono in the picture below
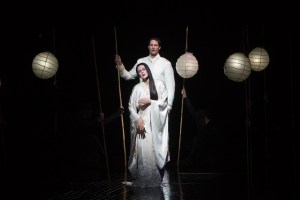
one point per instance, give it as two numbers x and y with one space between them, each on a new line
149 152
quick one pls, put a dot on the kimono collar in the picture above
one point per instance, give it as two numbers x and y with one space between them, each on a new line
153 60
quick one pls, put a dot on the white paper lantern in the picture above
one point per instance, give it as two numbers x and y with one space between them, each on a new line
259 59
45 65
187 65
237 67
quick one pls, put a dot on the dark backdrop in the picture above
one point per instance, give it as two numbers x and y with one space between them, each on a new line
42 141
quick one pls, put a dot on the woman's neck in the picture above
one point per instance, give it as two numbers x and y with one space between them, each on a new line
146 81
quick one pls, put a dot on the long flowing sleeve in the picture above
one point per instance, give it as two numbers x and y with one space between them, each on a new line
159 125
170 83
132 105
133 116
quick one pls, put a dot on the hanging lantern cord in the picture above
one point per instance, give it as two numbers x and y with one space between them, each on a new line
186 39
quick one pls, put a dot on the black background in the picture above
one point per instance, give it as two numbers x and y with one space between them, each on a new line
35 142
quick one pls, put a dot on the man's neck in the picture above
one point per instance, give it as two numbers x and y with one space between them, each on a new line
153 55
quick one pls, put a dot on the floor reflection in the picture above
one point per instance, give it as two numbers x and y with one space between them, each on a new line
150 193
178 185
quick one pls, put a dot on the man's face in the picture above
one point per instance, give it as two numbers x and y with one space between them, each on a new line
153 48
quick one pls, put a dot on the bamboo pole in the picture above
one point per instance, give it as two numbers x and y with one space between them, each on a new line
182 99
100 107
121 106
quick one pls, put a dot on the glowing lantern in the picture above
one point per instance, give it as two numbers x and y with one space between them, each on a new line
187 65
45 65
259 59
237 67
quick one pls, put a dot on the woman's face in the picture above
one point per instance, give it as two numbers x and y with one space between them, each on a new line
142 72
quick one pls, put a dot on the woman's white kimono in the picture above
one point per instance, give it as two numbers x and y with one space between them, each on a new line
149 152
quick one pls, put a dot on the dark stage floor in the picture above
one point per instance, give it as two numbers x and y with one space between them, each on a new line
182 185
186 183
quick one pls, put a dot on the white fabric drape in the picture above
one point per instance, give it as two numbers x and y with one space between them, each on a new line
149 152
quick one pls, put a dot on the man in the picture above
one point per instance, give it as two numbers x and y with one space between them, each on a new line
160 67
203 151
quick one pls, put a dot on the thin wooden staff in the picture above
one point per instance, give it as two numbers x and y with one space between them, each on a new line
180 130
121 106
182 99
100 107
56 86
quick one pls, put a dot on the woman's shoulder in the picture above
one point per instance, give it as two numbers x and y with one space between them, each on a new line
137 85
136 89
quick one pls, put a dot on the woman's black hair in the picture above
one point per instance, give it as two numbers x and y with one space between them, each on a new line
152 88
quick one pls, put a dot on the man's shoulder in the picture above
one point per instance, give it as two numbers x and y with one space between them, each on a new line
143 58
164 59
146 59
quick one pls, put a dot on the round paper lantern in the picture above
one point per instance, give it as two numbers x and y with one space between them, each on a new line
259 59
237 67
45 65
187 65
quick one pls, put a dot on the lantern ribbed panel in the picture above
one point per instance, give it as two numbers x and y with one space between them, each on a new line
187 65
259 59
45 65
237 67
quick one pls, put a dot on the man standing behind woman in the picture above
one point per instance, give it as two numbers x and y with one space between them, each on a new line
149 150
160 67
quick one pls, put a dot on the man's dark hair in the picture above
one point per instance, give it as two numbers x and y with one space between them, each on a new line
156 39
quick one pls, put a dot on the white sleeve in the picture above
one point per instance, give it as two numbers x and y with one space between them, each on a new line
131 74
132 105
170 84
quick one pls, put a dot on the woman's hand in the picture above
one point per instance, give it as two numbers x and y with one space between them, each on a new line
144 101
140 125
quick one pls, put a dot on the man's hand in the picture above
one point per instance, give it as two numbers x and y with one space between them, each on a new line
118 62
121 111
100 117
183 92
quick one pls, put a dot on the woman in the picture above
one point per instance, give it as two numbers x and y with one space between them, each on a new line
149 151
